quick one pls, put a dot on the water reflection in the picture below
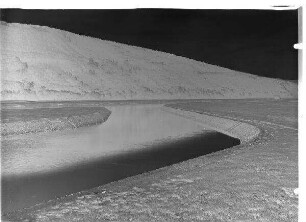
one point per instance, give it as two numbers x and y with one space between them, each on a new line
128 128
135 139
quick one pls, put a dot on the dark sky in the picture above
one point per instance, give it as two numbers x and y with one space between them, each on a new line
254 41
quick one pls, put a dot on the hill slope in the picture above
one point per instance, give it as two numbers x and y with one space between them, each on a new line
42 63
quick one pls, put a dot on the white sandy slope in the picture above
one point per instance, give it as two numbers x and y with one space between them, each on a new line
42 63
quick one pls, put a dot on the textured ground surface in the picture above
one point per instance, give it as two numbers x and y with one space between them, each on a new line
250 182
20 119
42 63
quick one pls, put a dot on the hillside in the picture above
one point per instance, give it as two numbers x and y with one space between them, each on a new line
42 63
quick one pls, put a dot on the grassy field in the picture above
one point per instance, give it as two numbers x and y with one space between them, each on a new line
16 115
22 119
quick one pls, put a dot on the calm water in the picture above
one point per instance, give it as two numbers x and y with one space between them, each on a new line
135 139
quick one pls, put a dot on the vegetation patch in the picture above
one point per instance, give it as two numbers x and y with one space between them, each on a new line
20 121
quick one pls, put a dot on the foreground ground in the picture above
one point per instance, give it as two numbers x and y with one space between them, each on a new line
254 181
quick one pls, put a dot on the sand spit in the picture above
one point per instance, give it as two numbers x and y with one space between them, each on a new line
240 130
94 117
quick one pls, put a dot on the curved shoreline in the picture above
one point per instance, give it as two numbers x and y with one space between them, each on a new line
61 123
243 131
223 186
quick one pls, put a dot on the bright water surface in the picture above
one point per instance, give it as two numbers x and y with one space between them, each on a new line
135 139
